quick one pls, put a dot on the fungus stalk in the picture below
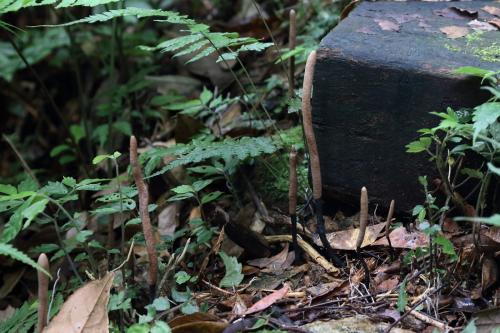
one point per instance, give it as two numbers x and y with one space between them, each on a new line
388 224
363 223
43 292
147 229
314 156
292 201
292 42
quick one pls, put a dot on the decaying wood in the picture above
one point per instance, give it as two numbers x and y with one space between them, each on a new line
43 292
147 228
318 258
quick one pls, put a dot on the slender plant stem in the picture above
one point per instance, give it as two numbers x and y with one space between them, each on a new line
21 159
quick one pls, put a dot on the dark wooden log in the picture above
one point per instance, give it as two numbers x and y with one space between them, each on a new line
378 75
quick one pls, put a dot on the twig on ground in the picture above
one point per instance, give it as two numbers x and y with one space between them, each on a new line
147 228
318 258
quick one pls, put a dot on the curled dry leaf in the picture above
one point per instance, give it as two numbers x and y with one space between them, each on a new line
480 25
274 262
269 300
86 310
454 31
387 25
401 238
495 22
492 10
168 219
346 239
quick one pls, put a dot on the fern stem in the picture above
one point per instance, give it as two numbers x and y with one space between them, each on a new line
21 159
63 248
52 103
271 35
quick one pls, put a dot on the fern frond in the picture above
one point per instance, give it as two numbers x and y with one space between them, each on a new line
226 150
15 5
9 250
22 320
168 16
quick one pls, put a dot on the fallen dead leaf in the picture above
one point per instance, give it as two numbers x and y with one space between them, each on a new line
401 238
239 307
366 30
405 18
323 288
358 323
480 25
274 262
86 310
269 300
454 31
455 13
388 284
495 22
346 239
168 219
489 273
387 25
492 10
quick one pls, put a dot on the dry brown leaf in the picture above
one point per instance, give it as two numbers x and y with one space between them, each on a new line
492 10
455 13
454 31
387 284
346 239
86 310
168 219
366 30
480 25
401 238
489 273
191 318
201 326
495 22
239 307
269 300
387 25
274 262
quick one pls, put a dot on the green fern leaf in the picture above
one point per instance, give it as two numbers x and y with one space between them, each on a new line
228 149
9 250
22 320
15 5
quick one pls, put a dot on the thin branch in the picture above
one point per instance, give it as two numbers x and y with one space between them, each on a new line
21 159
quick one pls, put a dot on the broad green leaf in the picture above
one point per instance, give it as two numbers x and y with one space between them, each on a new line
446 245
201 184
183 189
161 304
160 327
57 150
182 277
99 158
32 211
474 71
233 276
77 132
211 197
485 115
7 189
